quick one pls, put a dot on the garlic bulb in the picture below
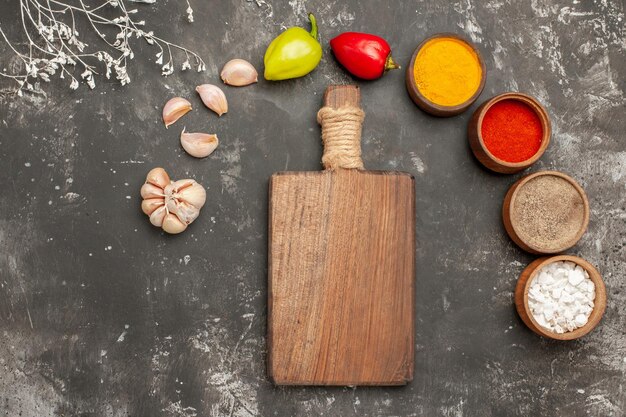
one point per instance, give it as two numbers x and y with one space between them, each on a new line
199 145
171 205
174 109
213 97
239 72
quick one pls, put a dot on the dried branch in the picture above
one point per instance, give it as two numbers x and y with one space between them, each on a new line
54 46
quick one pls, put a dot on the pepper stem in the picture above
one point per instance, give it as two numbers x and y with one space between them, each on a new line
313 31
390 64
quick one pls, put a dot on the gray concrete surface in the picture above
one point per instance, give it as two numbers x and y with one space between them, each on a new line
103 315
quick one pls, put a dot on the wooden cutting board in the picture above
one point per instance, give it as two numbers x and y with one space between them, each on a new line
341 273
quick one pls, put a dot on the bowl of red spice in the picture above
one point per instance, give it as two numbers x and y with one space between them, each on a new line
509 132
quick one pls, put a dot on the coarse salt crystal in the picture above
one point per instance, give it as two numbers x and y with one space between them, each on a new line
580 320
576 277
561 297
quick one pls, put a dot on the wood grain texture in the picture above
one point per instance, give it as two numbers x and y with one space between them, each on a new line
337 96
341 273
341 278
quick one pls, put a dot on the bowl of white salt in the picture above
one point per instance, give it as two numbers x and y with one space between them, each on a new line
560 297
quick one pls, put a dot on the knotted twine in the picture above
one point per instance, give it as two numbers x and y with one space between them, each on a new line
341 135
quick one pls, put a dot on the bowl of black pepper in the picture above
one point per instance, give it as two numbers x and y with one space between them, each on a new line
546 212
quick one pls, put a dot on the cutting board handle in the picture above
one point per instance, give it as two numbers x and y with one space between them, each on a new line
341 119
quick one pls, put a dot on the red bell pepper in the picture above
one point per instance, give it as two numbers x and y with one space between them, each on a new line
363 55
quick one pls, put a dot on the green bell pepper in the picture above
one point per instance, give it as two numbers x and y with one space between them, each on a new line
294 53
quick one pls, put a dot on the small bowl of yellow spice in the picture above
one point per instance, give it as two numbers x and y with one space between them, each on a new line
446 75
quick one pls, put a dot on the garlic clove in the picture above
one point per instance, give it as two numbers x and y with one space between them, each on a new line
169 190
171 205
158 177
151 191
186 212
185 200
194 195
174 109
172 224
213 97
198 145
157 216
239 72
148 206
180 184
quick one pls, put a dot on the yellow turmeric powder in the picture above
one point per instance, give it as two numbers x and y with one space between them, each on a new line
447 71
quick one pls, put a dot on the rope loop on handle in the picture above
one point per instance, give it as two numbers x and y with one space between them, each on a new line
341 135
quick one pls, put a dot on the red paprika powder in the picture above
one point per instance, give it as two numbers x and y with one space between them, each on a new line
512 131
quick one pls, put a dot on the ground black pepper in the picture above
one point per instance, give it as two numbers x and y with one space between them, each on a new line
548 212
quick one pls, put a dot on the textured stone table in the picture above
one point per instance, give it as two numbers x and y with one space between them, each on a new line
103 315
